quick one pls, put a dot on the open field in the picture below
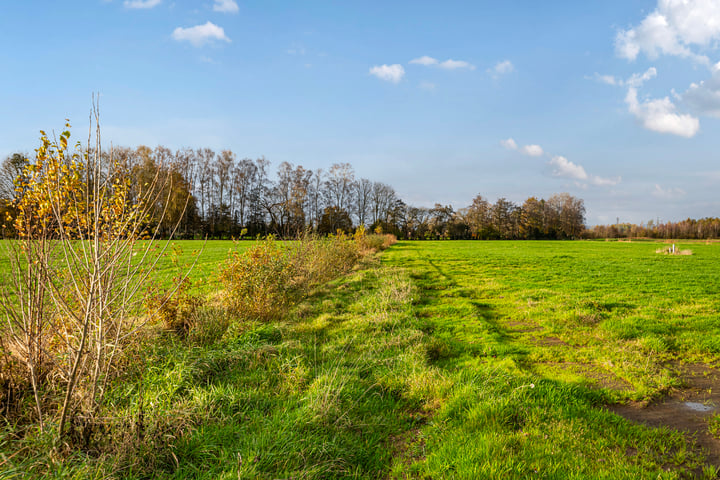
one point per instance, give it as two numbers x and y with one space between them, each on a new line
178 257
588 324
455 359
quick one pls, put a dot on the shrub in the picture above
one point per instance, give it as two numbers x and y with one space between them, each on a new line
260 282
265 280
374 242
80 277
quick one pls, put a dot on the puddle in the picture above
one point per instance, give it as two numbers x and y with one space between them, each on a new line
686 409
698 407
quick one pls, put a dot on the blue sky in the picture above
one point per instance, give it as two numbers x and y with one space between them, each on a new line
616 102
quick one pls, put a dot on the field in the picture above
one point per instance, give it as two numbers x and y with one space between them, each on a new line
456 359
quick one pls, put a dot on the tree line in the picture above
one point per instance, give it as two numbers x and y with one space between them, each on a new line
217 195
702 229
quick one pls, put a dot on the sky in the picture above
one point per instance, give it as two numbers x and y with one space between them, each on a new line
616 102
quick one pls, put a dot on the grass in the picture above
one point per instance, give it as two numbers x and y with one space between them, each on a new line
587 324
444 360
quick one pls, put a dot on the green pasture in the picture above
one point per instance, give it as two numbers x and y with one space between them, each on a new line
201 259
538 337
432 360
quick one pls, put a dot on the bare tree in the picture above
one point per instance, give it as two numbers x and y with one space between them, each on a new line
381 201
80 274
363 194
339 186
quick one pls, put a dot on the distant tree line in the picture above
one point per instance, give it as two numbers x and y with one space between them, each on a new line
704 228
220 196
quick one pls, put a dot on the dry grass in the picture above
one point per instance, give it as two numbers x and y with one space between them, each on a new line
673 251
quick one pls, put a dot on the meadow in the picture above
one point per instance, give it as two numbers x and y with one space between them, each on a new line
442 359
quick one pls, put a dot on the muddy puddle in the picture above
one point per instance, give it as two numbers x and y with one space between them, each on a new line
686 409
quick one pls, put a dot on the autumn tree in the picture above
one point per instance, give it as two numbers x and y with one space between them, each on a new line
334 219
80 276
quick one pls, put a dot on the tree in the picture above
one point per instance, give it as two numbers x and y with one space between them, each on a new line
533 218
334 219
503 218
363 194
381 201
339 186
80 275
10 170
440 217
479 218
568 214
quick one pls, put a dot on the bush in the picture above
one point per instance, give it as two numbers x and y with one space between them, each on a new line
267 279
373 242
259 283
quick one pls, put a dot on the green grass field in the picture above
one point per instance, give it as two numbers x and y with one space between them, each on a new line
433 360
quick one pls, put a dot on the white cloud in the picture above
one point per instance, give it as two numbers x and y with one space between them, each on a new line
509 144
532 150
391 73
529 150
673 28
704 97
449 64
141 3
225 6
637 79
455 64
667 193
659 115
605 182
567 169
427 85
200 34
424 60
607 79
502 68
562 167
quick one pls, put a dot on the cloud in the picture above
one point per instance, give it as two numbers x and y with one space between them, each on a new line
562 167
607 79
673 28
225 6
502 68
605 182
637 79
509 144
532 150
449 64
667 193
659 115
141 3
424 60
704 97
427 86
200 34
390 73
529 150
455 64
